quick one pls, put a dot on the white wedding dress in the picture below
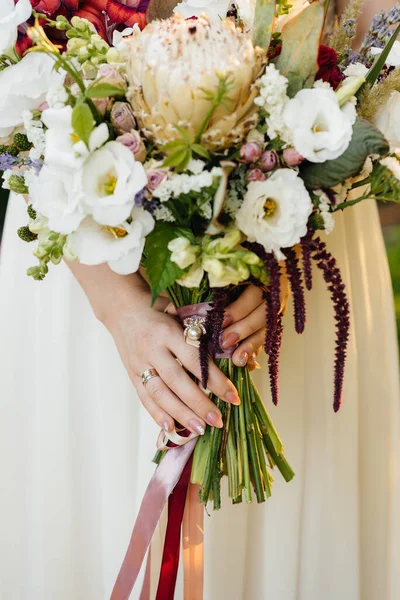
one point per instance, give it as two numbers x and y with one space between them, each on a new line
76 445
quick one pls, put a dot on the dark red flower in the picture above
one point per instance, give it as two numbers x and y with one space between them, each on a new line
328 67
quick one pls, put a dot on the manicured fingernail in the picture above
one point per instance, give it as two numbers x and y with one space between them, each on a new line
229 340
227 321
214 419
196 427
232 398
243 358
166 426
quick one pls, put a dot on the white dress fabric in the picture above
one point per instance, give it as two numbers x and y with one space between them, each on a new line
76 445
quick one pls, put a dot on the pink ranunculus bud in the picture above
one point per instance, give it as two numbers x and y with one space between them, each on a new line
155 178
102 105
255 175
269 160
292 158
134 143
122 117
251 152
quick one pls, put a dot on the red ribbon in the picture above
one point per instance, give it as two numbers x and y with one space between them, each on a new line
172 544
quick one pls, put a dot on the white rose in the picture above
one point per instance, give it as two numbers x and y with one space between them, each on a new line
24 87
388 120
109 180
63 148
11 16
121 247
215 9
393 60
55 194
275 212
321 129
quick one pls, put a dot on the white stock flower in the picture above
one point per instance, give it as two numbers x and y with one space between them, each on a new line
35 134
57 96
273 98
54 193
184 183
63 148
321 129
214 9
109 180
393 60
120 246
354 71
388 119
24 87
392 163
324 209
275 212
11 16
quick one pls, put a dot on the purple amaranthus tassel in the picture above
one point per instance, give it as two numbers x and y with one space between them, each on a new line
273 360
336 287
272 298
296 285
306 258
213 327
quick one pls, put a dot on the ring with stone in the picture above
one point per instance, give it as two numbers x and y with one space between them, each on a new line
149 374
194 330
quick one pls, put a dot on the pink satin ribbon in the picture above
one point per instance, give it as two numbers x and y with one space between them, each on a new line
161 486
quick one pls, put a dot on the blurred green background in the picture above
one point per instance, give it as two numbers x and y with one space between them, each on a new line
390 217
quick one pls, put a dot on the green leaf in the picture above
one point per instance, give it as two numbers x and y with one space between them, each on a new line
160 270
104 90
200 151
264 22
176 158
380 60
82 122
301 37
366 140
184 133
172 146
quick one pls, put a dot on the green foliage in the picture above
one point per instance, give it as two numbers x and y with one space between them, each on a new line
82 121
367 139
380 60
180 152
104 90
161 271
21 142
301 37
26 235
264 21
31 212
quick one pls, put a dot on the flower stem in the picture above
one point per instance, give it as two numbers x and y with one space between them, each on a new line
243 442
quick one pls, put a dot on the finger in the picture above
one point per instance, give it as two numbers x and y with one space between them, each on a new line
243 329
163 419
173 406
251 346
218 383
178 381
243 306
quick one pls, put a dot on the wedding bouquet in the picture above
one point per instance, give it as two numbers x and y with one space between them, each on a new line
214 147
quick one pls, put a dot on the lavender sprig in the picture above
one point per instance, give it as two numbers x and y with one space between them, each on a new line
296 285
380 32
336 287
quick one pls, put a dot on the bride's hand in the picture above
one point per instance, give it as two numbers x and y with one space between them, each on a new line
149 338
244 324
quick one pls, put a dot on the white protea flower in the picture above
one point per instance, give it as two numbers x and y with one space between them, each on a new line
170 91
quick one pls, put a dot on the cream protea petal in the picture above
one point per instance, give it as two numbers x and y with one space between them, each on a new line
196 55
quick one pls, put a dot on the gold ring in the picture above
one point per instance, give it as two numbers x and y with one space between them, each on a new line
149 374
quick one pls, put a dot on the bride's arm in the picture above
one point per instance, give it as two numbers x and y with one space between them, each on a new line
148 337
370 9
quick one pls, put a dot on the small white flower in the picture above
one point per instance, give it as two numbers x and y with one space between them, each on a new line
324 209
193 278
63 148
109 180
183 253
215 9
393 60
355 71
185 183
273 98
11 16
162 213
321 129
392 163
388 119
120 246
196 166
24 87
35 134
57 96
275 212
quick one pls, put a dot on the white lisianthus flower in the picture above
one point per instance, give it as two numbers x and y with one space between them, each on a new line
11 16
388 119
355 71
121 246
55 195
63 148
214 9
109 180
321 129
24 87
275 212
393 60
